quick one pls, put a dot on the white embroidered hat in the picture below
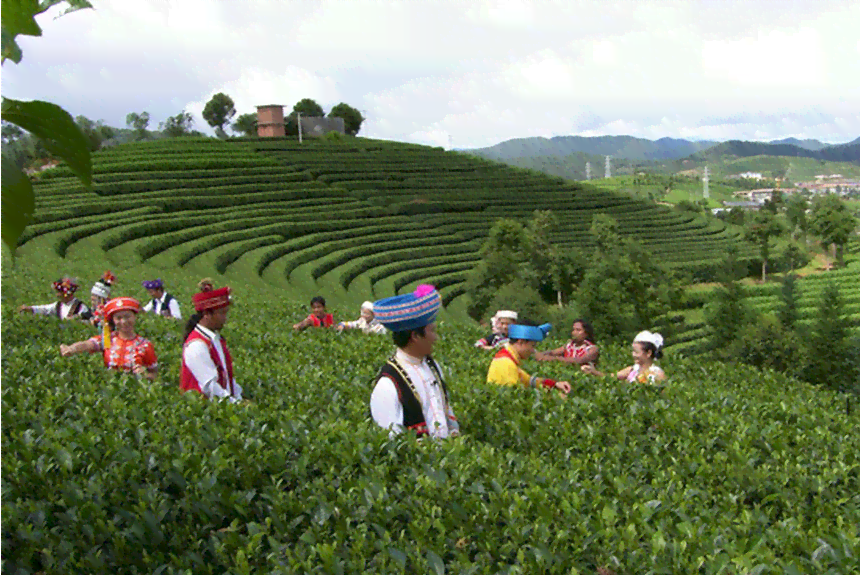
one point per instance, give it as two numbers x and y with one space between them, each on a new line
506 314
647 336
368 305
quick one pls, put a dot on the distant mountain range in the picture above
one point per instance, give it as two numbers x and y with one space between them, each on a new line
664 149
849 152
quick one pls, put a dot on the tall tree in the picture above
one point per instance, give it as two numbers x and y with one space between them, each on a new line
831 221
830 358
139 123
352 118
624 288
788 313
95 132
179 125
246 124
795 213
219 111
308 107
761 229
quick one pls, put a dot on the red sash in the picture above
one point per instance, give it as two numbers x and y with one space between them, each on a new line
187 381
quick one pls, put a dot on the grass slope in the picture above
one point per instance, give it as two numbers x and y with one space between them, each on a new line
353 220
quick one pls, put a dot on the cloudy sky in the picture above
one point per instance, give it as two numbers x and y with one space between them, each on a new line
466 73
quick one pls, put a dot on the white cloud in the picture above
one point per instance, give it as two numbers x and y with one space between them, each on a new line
479 72
774 59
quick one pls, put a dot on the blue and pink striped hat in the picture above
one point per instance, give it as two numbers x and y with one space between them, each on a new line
409 311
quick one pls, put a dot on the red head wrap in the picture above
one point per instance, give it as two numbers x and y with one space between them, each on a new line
121 304
209 298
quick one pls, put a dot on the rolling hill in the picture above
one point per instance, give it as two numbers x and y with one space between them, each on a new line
353 219
741 149
626 147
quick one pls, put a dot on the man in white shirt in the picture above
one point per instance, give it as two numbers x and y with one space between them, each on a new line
67 306
410 392
207 366
162 303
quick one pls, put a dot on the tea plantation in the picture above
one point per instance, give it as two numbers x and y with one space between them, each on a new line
729 470
361 218
692 337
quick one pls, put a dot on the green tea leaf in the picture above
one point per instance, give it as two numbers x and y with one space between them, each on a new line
436 563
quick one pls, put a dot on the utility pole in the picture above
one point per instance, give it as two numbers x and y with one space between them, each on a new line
705 184
299 122
587 170
608 173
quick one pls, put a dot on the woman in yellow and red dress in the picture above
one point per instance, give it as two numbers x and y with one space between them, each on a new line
121 348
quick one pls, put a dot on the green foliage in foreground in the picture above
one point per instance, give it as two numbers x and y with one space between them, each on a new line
729 471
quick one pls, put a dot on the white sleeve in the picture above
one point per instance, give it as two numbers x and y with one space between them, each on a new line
385 406
148 306
197 358
46 309
174 309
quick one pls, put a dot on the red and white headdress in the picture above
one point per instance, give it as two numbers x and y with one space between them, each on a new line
210 298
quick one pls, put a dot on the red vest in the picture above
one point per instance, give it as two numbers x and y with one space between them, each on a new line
327 321
187 381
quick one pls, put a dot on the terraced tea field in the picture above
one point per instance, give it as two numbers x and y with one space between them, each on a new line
354 220
766 299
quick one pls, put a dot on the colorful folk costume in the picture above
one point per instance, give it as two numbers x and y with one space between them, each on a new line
326 321
162 303
372 326
410 392
100 294
207 366
505 368
648 376
67 307
119 353
497 338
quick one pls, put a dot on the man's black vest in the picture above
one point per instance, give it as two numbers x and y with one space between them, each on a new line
165 306
413 414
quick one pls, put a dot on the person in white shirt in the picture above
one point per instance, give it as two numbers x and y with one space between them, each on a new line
410 392
366 323
67 306
162 303
207 366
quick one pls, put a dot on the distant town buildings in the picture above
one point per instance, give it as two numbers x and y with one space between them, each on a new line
747 176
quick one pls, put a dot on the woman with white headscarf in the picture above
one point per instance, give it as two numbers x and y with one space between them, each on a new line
499 337
646 349
366 323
